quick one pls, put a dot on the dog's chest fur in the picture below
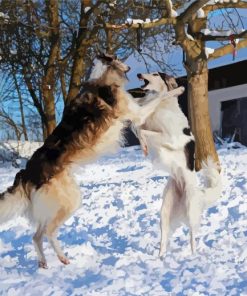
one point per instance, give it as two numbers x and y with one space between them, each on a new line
110 141
168 119
113 137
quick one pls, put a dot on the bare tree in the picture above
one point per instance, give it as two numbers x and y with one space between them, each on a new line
51 44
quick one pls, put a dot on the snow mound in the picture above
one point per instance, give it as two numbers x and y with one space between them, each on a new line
12 149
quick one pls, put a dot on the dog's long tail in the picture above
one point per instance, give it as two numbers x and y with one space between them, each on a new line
212 181
13 203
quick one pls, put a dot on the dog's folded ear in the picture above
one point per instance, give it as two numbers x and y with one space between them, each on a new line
105 92
170 81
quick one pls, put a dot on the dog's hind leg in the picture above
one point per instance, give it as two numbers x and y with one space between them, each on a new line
194 222
192 241
166 215
164 226
38 244
194 214
51 233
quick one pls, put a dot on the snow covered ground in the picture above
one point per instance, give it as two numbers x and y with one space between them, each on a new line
113 239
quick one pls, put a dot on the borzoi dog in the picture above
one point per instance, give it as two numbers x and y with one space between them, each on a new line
167 138
91 126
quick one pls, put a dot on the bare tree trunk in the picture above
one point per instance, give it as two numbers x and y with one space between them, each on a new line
48 81
49 107
84 40
197 77
199 113
21 107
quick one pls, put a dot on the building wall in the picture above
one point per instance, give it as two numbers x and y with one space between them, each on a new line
220 95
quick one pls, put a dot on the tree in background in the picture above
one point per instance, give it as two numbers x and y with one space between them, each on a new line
49 45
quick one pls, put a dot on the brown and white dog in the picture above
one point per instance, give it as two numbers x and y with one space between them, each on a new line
45 190
91 126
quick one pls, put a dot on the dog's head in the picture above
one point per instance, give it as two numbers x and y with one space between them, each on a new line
108 63
157 82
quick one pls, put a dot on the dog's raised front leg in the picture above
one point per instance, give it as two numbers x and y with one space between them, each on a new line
149 108
143 142
138 133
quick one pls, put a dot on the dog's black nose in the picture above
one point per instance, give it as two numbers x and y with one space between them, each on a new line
139 75
128 69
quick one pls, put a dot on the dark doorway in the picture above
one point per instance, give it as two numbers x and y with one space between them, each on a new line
234 119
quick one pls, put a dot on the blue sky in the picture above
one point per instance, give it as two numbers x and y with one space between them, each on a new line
176 59
217 19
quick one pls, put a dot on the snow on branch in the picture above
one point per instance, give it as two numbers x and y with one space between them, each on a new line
4 17
209 51
215 35
200 8
134 23
169 7
215 5
188 9
191 8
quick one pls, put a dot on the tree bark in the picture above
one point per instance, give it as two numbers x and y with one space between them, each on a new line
84 39
48 81
78 68
197 78
199 113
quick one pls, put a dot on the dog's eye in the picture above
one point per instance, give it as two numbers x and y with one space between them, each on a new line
155 74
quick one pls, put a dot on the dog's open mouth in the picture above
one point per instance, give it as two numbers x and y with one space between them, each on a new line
146 82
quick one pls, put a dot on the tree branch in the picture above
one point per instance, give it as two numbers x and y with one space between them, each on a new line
152 24
34 97
8 120
227 49
192 9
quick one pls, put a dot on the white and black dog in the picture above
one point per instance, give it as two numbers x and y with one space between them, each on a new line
167 138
